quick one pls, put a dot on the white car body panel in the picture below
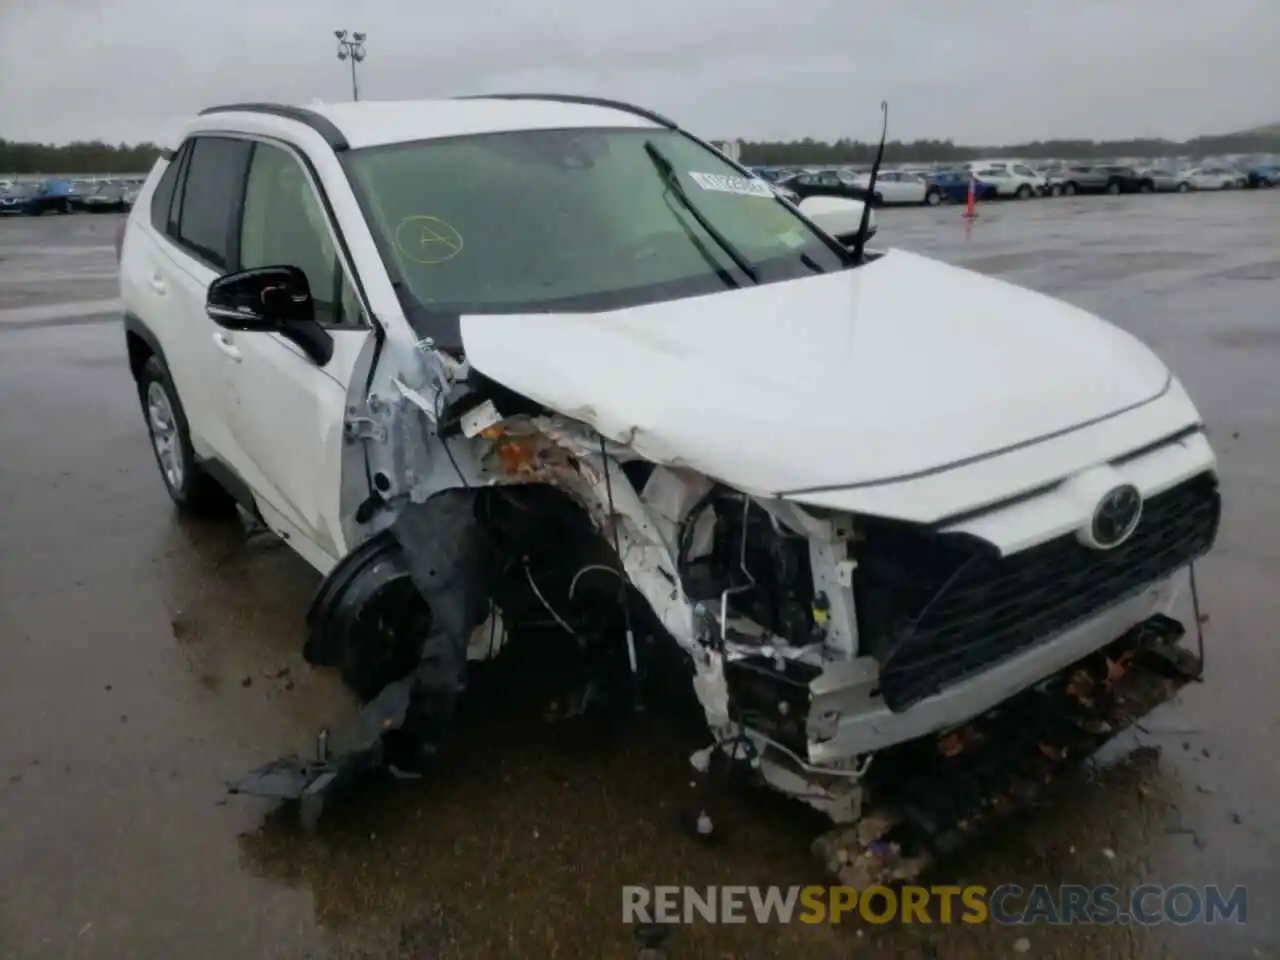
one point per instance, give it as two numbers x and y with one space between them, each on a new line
903 366
285 416
936 495
838 216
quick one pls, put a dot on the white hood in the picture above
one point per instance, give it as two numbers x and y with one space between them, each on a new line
900 366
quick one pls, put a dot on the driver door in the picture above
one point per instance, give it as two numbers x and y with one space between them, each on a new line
287 412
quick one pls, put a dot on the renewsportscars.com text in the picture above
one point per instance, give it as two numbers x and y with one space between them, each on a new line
1006 905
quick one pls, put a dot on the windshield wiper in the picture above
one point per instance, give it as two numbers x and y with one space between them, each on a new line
669 177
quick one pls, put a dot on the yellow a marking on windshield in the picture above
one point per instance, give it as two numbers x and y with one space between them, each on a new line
427 240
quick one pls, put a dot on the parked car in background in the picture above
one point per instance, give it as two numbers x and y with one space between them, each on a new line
1009 183
954 185
106 197
77 190
1164 179
1213 178
827 183
1104 178
34 199
899 187
1013 175
1263 175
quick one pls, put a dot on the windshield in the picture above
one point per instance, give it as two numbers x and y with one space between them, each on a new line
572 220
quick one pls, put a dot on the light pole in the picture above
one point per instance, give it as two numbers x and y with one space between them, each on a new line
352 50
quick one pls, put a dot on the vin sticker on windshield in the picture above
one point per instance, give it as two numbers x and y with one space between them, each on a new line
742 186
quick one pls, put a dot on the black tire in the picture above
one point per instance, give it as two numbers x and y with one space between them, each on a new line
64 207
1055 190
1146 187
1113 188
192 490
1070 189
1184 187
933 198
1025 192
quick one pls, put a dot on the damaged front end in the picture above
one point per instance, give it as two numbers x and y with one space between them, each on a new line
831 654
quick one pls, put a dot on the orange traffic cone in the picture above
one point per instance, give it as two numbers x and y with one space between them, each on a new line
970 205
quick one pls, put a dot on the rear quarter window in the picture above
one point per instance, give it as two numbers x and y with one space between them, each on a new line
162 199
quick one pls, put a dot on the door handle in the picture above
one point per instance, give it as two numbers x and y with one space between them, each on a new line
223 342
158 284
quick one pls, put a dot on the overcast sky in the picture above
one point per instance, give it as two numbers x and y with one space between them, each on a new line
977 71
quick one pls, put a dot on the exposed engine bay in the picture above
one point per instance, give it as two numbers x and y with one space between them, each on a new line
807 637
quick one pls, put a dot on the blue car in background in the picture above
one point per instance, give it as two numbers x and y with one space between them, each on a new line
1263 175
954 185
34 199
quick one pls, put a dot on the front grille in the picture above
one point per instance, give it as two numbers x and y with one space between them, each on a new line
938 608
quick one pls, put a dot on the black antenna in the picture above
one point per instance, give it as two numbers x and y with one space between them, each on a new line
871 187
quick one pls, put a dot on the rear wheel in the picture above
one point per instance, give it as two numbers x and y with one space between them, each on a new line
1184 187
1113 188
1069 189
1146 188
1055 190
192 490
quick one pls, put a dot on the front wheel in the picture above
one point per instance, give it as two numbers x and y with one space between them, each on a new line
933 198
1024 192
1113 188
1070 189
1184 188
1055 190
64 207
192 490
1146 188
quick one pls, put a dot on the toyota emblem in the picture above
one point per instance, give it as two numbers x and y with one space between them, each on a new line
1116 516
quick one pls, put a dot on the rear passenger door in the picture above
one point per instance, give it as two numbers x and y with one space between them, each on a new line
194 225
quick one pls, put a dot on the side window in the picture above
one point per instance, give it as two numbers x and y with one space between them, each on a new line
162 199
285 224
210 195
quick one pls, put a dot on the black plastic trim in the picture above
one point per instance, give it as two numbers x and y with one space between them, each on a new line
231 482
585 101
135 325
320 124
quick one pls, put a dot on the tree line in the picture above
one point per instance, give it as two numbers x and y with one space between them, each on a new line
94 156
818 152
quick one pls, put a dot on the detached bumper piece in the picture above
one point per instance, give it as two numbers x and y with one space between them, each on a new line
433 548
928 797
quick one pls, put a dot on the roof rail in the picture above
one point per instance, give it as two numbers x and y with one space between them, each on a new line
317 122
586 101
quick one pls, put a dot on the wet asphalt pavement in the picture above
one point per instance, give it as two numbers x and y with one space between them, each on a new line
145 660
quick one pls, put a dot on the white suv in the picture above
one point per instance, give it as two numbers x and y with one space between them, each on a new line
516 358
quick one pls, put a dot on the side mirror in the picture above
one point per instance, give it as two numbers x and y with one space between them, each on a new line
270 300
265 299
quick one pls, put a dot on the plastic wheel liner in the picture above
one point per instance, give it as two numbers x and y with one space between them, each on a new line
437 544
